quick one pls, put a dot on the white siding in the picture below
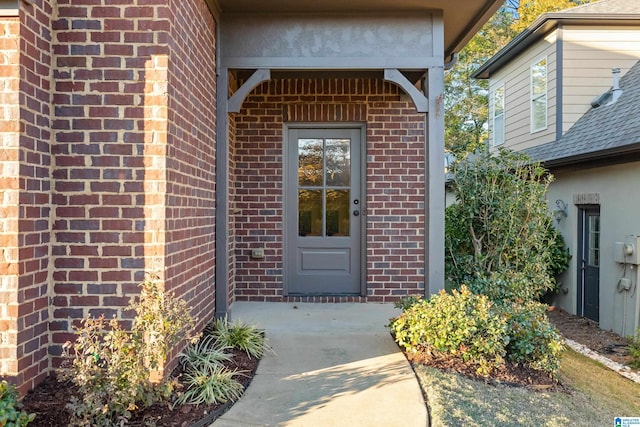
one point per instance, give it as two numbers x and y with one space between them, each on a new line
589 55
516 77
619 190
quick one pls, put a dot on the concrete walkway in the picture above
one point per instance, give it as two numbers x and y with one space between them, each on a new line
334 365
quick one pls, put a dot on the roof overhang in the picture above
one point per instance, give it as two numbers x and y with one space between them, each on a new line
612 156
462 19
543 26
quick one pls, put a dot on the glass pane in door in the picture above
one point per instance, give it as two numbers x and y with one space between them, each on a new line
310 162
594 240
310 213
338 215
324 187
338 159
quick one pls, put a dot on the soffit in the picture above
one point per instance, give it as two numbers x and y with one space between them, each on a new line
462 18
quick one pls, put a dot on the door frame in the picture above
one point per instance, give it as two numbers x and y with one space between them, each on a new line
363 194
583 211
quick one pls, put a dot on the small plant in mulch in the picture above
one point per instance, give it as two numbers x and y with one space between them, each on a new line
11 412
634 350
239 335
106 379
205 375
112 367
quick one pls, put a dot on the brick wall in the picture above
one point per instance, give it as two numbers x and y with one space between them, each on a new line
394 175
134 165
109 156
35 192
191 157
9 193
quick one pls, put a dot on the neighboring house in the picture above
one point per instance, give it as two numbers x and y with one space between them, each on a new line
542 86
243 150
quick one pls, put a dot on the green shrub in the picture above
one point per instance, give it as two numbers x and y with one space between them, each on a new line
406 302
533 341
497 236
634 350
479 332
240 335
112 367
11 414
460 324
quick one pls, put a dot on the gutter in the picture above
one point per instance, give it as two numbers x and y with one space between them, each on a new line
606 157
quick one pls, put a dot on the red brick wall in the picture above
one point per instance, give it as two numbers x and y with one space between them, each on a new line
109 156
134 165
395 182
35 199
190 252
9 194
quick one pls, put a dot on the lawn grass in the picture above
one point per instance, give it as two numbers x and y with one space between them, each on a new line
595 396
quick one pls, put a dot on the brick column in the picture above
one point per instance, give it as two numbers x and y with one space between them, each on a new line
9 194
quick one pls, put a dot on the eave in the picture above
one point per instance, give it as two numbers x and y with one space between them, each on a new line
613 156
543 26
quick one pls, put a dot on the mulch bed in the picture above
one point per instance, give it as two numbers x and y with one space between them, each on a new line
510 374
48 401
588 333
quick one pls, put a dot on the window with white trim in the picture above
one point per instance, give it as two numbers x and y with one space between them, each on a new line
539 95
498 116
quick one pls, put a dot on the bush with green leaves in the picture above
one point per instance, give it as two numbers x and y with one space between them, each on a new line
533 341
461 324
479 332
498 238
405 302
112 367
634 350
11 413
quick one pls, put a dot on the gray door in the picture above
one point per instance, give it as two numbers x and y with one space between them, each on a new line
589 288
322 213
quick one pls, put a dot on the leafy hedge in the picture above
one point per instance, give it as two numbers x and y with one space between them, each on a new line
479 332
